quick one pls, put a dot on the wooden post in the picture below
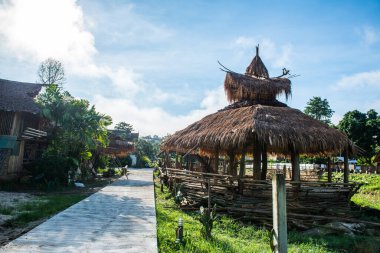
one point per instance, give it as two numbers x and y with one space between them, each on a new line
181 161
224 164
256 160
284 169
279 214
295 157
187 162
209 195
216 161
191 162
265 163
242 161
346 171
329 170
231 165
176 160
167 165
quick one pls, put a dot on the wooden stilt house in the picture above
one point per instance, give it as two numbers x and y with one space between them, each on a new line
21 137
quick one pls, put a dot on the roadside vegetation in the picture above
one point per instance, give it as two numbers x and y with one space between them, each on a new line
369 194
229 235
39 208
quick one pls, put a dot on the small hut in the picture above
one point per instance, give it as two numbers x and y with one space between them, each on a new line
120 143
256 122
21 137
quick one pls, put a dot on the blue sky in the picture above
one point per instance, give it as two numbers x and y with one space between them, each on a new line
154 63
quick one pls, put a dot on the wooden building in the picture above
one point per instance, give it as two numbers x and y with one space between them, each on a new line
120 143
21 137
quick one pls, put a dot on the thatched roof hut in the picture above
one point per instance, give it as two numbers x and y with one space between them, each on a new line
120 143
21 128
18 96
281 128
256 120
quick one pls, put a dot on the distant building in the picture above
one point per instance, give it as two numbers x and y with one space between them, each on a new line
120 143
21 137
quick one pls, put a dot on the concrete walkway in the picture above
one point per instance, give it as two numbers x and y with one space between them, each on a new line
119 218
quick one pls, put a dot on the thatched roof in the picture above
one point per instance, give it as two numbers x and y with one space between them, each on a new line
18 96
242 87
257 117
281 128
120 143
255 84
257 67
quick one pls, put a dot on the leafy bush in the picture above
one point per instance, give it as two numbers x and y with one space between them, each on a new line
143 161
52 169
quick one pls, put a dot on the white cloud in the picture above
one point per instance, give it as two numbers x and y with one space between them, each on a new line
278 56
359 80
154 120
42 28
369 35
35 30
32 31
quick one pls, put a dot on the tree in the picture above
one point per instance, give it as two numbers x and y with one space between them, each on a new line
77 131
319 109
51 72
124 127
364 130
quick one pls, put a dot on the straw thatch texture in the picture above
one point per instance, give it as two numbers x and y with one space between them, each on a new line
257 67
242 87
282 128
120 143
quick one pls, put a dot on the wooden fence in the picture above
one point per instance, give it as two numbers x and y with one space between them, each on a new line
249 199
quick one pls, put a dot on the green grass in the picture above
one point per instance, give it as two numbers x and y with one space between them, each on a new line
41 207
232 236
5 210
369 193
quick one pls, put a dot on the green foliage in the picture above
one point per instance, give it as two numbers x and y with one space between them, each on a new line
128 128
144 153
77 130
319 109
364 130
313 159
53 168
369 193
5 210
207 219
